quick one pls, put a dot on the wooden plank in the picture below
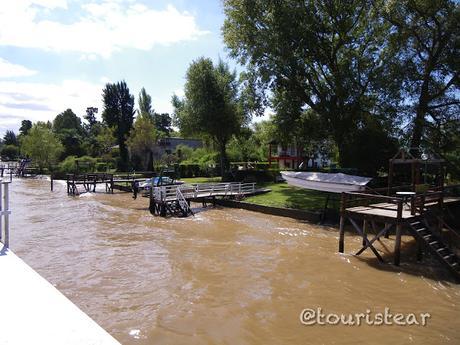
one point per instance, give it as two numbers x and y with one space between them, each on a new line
367 241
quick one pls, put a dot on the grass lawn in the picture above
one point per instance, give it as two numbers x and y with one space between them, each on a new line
201 179
284 195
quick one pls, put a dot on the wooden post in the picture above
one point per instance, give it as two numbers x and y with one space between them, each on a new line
441 212
52 180
397 256
387 233
364 231
390 176
342 224
419 250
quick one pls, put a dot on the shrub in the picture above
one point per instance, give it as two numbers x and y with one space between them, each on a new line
10 152
73 164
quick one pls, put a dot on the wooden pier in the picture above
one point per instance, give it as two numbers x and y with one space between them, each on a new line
86 183
174 200
82 183
420 214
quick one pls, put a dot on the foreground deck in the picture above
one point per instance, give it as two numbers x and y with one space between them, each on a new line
35 312
389 211
422 215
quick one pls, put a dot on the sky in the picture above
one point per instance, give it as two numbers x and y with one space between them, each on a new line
59 54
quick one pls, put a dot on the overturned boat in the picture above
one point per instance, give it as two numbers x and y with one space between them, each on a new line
327 182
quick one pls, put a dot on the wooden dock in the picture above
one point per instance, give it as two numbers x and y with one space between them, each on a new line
86 183
422 215
174 200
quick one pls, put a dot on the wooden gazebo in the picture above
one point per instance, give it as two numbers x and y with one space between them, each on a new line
419 162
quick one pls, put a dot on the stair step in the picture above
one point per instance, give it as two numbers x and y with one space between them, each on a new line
421 229
415 223
447 257
441 249
427 237
433 243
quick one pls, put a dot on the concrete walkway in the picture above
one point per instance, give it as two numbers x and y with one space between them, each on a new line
32 311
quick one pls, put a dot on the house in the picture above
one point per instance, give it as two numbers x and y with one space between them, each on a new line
169 145
294 157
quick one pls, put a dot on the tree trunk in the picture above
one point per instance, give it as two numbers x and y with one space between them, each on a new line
417 132
419 122
223 159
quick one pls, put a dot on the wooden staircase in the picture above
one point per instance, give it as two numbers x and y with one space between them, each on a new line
423 232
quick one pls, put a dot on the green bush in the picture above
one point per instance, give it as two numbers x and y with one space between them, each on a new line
10 152
73 164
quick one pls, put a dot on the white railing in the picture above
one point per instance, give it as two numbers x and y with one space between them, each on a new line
182 201
189 191
5 213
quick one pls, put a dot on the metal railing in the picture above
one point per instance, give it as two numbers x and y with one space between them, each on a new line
182 201
5 213
190 191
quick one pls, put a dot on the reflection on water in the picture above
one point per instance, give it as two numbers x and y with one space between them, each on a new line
224 276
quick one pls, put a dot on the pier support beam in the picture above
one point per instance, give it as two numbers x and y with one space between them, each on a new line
398 233
397 257
342 234
364 232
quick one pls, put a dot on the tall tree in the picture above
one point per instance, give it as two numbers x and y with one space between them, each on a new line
90 116
119 114
323 55
145 103
211 104
67 120
69 130
427 40
163 123
142 139
26 125
10 139
41 145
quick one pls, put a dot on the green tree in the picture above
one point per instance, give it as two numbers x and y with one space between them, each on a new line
26 125
142 139
145 104
323 55
163 123
211 104
427 46
69 130
90 117
67 120
9 152
10 139
105 140
42 145
119 114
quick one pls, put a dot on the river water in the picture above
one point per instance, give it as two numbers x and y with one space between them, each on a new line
225 276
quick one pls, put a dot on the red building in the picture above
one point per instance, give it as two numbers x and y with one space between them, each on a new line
287 157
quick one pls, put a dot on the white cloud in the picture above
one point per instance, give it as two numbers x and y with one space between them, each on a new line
98 29
9 70
42 101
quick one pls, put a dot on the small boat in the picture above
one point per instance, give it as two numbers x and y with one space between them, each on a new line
158 181
327 182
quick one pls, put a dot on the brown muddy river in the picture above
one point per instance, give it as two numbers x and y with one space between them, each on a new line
225 276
